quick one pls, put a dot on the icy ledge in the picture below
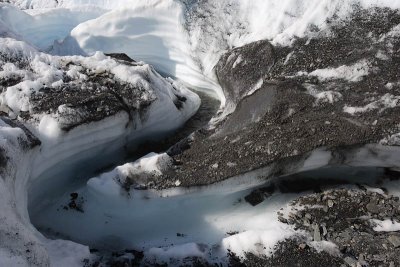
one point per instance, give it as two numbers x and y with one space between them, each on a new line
61 118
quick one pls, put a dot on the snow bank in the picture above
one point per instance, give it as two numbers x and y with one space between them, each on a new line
39 4
44 28
151 31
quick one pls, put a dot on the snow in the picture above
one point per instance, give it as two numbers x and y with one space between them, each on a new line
352 73
44 28
7 259
110 183
46 70
65 253
386 225
238 60
260 241
151 31
323 96
385 102
257 86
326 246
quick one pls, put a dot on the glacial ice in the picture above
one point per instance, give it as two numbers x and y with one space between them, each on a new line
159 33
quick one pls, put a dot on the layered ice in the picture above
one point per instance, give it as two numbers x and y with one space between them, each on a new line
31 75
153 32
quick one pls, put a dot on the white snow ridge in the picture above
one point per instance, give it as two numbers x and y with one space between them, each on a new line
89 87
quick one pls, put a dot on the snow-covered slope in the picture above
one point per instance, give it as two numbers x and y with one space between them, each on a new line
47 26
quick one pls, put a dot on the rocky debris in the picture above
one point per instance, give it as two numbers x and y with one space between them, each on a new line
129 257
284 111
348 224
75 203
121 56
257 196
290 252
394 240
180 235
76 92
241 62
104 96
3 158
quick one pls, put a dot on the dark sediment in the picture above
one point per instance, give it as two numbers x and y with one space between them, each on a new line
289 122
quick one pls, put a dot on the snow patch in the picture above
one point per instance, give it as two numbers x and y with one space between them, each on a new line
386 225
393 140
257 86
352 73
385 102
238 60
326 246
323 96
43 28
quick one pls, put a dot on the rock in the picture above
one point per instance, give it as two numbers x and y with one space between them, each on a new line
379 258
324 231
330 203
350 261
302 246
394 240
74 196
121 56
373 208
282 219
255 197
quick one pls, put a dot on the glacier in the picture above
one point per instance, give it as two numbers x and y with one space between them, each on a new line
179 39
